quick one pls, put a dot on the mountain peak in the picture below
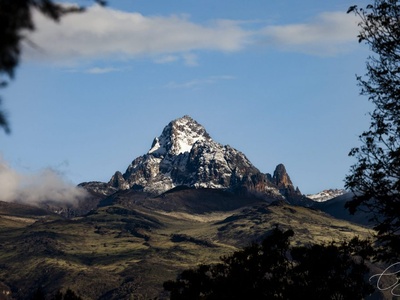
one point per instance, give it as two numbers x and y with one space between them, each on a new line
178 137
185 155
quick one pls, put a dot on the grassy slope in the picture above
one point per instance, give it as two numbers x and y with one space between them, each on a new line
118 251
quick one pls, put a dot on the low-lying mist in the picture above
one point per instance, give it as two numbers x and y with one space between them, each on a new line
45 186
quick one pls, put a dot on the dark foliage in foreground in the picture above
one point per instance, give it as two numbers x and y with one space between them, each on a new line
276 270
69 295
375 178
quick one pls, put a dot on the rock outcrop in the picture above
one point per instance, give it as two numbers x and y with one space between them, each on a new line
282 181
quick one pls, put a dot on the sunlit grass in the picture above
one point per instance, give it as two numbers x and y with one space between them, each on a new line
107 247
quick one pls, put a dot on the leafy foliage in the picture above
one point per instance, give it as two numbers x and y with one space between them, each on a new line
15 19
375 178
275 270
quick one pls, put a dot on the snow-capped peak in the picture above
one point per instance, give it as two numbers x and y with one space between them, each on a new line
185 155
178 137
326 195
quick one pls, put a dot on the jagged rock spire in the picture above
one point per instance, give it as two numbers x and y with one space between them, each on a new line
282 181
281 177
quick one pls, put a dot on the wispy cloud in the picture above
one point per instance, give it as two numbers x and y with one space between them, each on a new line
329 33
189 59
46 185
166 59
107 33
196 83
98 70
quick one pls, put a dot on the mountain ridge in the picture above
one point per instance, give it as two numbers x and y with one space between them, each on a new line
326 195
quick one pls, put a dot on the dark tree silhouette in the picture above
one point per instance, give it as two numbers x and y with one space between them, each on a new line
331 271
275 270
375 178
70 295
15 18
38 294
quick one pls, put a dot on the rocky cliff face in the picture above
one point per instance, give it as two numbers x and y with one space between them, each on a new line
185 155
282 181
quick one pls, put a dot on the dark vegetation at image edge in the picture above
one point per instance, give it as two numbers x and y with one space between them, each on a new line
276 270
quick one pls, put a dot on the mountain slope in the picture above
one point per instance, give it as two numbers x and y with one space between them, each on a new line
336 208
131 245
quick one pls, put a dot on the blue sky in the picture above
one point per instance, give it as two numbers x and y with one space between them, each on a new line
273 79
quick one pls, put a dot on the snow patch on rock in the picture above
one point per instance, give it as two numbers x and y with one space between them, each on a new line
326 195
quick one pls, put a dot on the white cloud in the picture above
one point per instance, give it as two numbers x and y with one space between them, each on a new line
9 182
47 185
328 34
104 32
